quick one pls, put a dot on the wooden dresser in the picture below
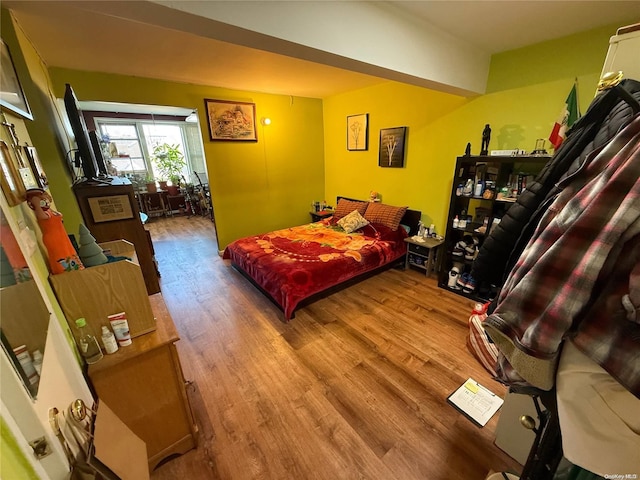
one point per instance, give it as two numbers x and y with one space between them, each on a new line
144 386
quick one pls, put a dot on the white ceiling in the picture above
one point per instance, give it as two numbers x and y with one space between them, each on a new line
66 35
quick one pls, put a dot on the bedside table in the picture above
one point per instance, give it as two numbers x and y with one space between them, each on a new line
317 216
423 253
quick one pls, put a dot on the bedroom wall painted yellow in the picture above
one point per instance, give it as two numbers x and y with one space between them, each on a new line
519 110
256 186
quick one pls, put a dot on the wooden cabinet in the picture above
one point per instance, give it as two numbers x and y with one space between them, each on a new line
110 212
144 386
483 189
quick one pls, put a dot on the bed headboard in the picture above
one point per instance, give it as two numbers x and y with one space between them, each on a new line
411 218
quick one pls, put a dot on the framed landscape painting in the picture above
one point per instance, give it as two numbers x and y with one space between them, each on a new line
231 121
358 132
392 146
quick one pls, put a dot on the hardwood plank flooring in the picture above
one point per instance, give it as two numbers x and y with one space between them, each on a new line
354 387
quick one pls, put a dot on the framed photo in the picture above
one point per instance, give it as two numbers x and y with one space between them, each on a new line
36 166
11 95
358 132
392 145
108 209
11 182
231 121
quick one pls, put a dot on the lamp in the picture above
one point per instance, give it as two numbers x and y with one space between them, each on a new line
265 121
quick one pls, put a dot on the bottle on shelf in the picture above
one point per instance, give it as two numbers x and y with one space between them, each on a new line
478 190
37 361
89 346
26 362
456 222
109 340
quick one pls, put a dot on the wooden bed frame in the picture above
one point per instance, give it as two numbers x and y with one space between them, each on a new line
411 219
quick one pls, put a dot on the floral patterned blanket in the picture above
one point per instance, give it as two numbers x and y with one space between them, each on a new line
295 263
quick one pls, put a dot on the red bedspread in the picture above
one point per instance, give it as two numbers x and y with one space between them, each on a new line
295 263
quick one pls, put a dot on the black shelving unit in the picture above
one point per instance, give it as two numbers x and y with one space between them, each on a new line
492 186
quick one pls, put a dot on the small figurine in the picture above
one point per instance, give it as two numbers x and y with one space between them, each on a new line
486 137
62 256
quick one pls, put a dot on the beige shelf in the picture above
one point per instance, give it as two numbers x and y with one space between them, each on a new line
97 292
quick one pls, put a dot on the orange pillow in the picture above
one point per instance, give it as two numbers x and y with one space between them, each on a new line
386 215
345 207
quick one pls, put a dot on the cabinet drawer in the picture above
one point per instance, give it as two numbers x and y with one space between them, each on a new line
419 249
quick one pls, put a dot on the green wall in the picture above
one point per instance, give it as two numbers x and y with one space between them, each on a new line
355 173
256 186
527 89
43 130
302 156
13 463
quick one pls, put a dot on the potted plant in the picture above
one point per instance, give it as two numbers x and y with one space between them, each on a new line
169 162
150 183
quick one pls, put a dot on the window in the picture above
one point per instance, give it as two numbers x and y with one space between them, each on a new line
125 149
132 143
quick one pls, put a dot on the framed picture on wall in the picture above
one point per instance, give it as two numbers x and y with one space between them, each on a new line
11 95
392 147
358 132
36 166
231 121
11 181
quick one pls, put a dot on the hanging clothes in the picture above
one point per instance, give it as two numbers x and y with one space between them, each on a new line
504 245
572 276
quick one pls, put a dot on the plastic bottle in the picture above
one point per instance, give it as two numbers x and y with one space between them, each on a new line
89 346
37 361
109 340
478 190
456 222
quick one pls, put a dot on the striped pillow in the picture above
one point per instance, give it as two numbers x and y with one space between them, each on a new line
345 207
385 214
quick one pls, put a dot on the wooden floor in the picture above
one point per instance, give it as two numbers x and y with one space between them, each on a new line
354 387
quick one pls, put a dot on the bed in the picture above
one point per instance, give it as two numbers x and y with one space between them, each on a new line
296 265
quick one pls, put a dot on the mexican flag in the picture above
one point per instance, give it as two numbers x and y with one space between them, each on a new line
567 117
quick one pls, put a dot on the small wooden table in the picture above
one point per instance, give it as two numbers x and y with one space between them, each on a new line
423 253
319 215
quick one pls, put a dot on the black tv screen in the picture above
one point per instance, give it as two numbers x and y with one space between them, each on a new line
87 157
97 152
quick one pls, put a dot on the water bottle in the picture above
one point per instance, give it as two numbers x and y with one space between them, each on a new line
89 346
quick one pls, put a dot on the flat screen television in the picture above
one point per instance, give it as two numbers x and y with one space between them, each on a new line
88 161
97 152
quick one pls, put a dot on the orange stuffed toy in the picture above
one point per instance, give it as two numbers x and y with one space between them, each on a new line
62 255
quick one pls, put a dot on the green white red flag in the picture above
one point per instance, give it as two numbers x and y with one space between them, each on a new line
567 117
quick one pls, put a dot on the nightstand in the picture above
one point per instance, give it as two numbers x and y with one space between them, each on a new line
423 253
317 216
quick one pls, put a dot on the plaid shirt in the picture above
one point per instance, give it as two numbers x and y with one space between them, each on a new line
579 276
